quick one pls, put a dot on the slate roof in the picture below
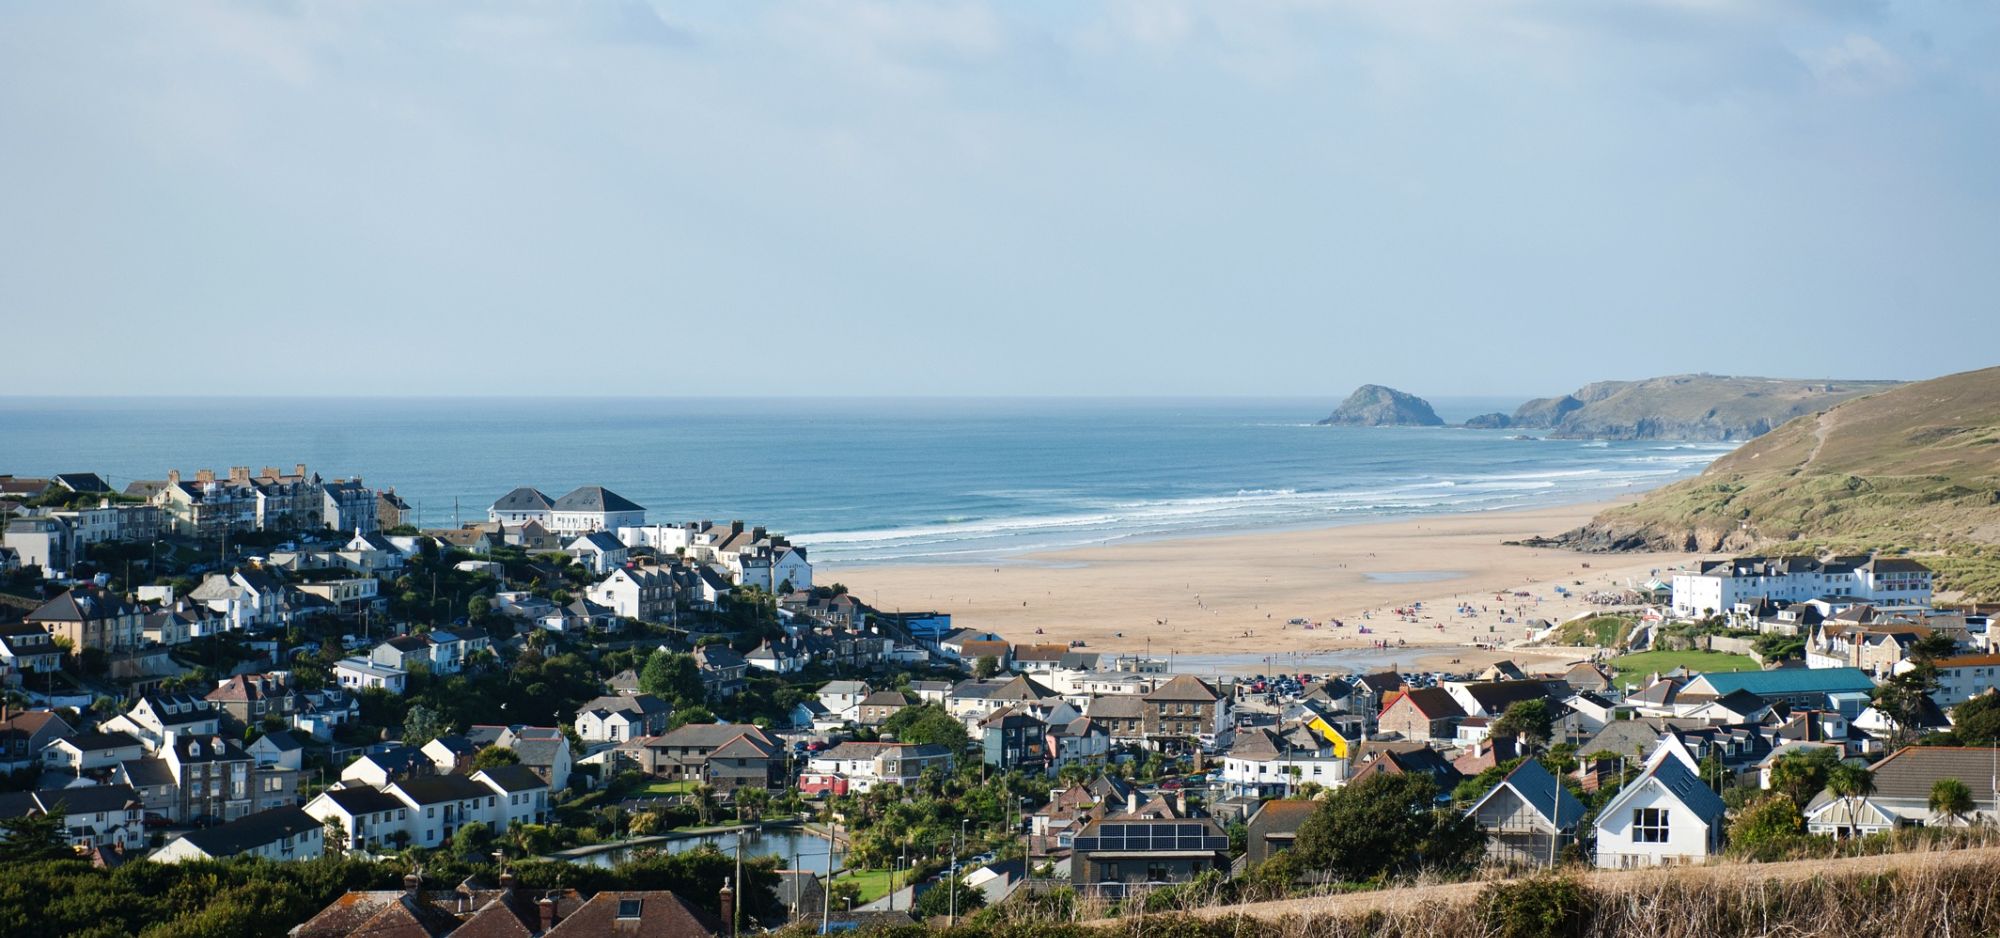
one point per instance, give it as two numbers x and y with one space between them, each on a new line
363 800
524 498
1688 789
1908 773
884 698
514 778
81 604
1540 791
436 789
252 831
596 498
1184 687
83 482
1117 707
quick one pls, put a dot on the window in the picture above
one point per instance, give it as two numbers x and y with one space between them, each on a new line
1649 825
629 908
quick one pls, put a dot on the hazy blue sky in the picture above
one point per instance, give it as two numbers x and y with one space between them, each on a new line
1269 197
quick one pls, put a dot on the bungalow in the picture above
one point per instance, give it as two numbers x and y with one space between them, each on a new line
1527 816
1666 815
1844 689
1902 793
358 674
1038 658
282 833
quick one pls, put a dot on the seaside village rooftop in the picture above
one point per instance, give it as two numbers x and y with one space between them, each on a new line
276 664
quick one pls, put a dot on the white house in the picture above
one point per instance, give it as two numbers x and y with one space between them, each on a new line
441 804
1666 815
598 551
843 698
594 508
358 674
521 796
645 593
285 833
521 505
1719 586
368 818
860 767
618 718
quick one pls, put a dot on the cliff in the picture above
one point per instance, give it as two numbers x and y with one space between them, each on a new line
1373 405
1916 466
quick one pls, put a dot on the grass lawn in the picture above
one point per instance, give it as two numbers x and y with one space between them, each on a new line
1603 631
874 883
1637 667
676 787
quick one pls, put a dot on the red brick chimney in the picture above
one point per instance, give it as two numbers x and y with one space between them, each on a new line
548 910
728 902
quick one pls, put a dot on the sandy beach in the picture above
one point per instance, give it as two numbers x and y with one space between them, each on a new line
1235 596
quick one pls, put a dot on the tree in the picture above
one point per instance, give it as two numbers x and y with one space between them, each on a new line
643 823
1382 826
704 803
334 836
1951 798
1905 697
927 724
473 842
421 725
1528 719
493 757
1851 783
32 837
674 678
1769 822
478 607
1976 722
985 667
937 900
693 714
1801 773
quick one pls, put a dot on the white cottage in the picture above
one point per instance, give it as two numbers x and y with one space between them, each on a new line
1666 815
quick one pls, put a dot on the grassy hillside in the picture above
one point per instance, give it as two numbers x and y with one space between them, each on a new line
1687 407
1916 467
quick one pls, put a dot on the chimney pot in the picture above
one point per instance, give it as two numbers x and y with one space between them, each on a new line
728 903
412 883
299 470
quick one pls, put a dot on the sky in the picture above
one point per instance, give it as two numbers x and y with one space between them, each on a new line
1153 197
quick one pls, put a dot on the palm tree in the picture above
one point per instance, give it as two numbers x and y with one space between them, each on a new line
1950 798
1850 783
704 804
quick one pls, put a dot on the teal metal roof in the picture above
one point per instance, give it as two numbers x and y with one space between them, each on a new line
1790 681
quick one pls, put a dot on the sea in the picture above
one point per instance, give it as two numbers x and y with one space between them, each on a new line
865 481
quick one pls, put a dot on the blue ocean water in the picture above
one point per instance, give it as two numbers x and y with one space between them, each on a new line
864 480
